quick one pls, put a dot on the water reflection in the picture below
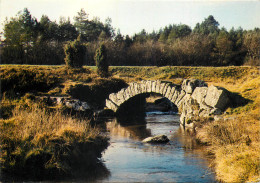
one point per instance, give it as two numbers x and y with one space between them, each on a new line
130 160
132 131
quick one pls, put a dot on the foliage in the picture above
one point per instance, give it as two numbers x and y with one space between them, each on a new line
74 53
101 61
208 26
251 43
29 41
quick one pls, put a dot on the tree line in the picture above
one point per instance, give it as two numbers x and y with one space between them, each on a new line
29 41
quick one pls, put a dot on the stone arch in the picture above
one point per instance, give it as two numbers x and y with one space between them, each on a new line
192 92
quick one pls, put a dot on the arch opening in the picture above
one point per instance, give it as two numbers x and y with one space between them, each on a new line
157 102
137 107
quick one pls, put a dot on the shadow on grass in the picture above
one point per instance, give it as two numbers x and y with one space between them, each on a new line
81 164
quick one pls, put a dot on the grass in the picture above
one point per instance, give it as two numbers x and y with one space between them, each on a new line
54 143
234 141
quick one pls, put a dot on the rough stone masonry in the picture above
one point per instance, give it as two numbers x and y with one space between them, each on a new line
193 98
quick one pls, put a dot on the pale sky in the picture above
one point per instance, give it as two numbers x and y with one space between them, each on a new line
131 16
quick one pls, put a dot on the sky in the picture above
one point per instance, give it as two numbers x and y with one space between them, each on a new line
131 16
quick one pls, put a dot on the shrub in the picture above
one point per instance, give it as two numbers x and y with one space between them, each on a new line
74 53
101 61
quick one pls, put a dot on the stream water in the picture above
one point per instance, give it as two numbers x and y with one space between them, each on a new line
130 160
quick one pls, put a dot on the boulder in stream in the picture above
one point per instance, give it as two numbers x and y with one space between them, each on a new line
156 139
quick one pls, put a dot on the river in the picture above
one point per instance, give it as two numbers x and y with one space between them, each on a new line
129 160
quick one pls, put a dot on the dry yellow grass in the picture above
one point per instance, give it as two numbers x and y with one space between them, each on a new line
36 121
235 141
34 136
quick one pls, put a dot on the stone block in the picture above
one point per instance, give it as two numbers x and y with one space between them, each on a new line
111 105
149 86
127 94
167 94
129 91
158 86
187 102
131 86
165 89
199 94
120 97
175 96
188 85
162 88
137 88
143 87
217 97
153 86
113 97
172 93
181 95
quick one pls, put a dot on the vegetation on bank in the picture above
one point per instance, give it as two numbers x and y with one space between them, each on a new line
38 144
34 133
234 141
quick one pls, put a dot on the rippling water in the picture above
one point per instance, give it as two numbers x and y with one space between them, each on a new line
130 160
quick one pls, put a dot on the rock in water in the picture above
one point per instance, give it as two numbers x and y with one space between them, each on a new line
156 139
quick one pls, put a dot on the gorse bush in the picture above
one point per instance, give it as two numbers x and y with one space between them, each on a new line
101 61
74 53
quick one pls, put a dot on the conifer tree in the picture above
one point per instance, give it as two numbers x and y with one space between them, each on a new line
101 61
74 53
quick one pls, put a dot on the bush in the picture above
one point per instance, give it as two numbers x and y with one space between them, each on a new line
74 53
101 61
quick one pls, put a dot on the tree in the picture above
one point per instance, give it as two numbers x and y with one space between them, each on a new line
141 37
20 33
179 31
103 36
66 31
90 30
223 48
208 26
101 61
252 45
108 27
21 30
48 30
74 53
81 21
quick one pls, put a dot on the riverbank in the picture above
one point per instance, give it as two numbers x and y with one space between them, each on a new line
41 141
41 144
234 141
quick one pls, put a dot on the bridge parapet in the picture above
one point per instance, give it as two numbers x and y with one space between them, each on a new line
193 97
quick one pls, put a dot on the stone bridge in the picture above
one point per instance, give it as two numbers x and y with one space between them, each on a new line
193 98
